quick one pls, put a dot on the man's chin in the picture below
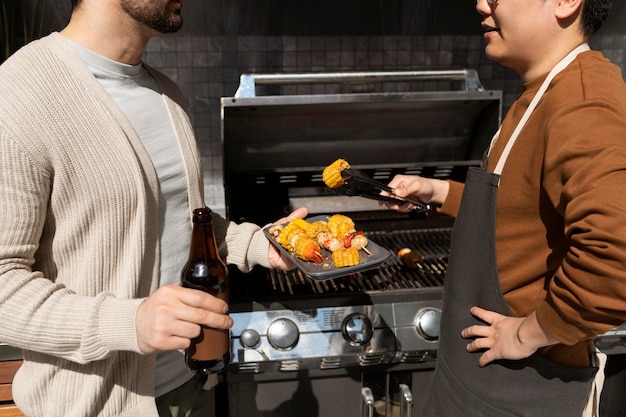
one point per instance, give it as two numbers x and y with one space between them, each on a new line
172 27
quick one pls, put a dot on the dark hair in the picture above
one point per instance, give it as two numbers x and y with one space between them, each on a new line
595 13
75 4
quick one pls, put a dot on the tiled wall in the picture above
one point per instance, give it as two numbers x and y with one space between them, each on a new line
208 68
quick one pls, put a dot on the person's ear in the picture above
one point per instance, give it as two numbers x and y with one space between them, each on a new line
568 9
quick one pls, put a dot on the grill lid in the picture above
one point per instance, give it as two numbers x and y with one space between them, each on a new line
278 143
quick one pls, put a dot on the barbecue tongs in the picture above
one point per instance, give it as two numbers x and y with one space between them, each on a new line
357 183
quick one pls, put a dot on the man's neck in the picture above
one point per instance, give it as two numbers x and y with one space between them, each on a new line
122 42
550 58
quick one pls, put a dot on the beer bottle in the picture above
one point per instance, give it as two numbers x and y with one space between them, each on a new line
210 351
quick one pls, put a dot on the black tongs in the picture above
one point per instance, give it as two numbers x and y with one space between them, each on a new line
357 183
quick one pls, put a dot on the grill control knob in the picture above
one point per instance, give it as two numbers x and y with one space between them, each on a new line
427 323
357 329
249 338
283 334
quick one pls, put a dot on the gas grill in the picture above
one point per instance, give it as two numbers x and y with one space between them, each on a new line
363 343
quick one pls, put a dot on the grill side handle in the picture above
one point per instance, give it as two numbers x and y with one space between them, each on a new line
248 82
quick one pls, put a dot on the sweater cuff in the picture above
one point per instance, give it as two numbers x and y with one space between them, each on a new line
453 200
246 246
117 324
551 322
259 250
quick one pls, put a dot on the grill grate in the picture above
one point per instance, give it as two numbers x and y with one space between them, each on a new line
433 244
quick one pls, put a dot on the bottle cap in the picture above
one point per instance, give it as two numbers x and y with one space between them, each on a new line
202 215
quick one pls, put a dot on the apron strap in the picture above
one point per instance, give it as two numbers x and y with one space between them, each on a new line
592 409
546 83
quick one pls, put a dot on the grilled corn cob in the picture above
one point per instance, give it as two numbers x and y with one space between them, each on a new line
332 173
346 257
313 230
305 239
339 225
293 238
317 230
287 233
303 224
306 248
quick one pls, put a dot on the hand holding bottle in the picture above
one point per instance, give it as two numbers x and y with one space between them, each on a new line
173 315
205 271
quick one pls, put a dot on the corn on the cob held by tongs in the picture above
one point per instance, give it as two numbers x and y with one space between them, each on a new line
359 183
343 179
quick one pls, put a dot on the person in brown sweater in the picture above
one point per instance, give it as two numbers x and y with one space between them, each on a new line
538 260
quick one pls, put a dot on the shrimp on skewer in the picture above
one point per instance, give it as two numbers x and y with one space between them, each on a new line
356 239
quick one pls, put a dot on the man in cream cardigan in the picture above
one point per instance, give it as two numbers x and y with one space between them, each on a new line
99 174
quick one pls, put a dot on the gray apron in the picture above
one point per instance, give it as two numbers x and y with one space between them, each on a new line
532 387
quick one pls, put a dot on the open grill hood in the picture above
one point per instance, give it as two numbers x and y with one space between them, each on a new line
276 147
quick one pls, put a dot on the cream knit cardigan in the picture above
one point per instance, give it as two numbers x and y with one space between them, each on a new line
79 235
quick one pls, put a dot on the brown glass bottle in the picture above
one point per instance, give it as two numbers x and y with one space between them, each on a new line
210 351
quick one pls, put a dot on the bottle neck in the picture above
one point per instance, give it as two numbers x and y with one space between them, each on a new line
203 244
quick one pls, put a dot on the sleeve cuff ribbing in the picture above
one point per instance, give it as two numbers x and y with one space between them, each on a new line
117 324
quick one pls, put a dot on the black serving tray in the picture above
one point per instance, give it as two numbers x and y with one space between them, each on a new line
326 270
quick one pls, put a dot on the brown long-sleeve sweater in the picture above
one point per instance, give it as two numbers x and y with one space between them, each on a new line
561 206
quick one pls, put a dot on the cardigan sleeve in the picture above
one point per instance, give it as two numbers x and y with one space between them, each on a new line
243 245
37 313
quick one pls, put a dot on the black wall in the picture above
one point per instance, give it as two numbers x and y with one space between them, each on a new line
222 39
331 17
